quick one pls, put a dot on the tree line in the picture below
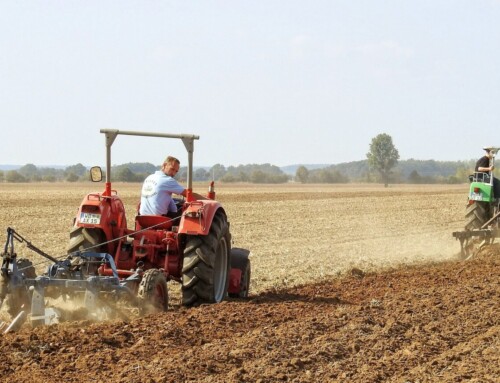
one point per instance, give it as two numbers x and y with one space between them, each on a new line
381 165
32 173
137 172
408 171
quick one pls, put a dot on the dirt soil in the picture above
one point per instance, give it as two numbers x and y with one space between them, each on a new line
431 323
350 283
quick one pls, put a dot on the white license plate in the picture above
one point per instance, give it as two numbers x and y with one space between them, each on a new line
476 196
90 218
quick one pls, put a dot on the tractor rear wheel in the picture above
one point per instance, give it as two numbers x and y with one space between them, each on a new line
20 298
205 271
153 292
476 215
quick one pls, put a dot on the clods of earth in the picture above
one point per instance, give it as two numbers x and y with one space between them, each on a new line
432 323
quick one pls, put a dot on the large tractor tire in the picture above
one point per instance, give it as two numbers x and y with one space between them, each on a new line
476 215
205 271
82 238
153 292
20 298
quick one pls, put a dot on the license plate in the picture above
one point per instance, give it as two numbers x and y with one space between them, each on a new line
476 196
90 218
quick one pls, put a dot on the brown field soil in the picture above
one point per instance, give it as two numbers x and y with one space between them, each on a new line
350 283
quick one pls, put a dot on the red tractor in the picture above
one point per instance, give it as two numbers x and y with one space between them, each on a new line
193 249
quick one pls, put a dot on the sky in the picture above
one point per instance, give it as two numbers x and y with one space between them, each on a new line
264 81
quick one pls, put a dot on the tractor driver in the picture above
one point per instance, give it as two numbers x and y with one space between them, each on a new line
157 190
484 165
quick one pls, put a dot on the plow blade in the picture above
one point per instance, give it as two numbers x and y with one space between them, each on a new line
91 288
16 323
473 240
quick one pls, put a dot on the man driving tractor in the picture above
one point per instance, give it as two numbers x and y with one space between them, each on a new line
157 190
484 164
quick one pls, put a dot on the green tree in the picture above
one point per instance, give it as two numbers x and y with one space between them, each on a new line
49 178
47 174
72 177
325 177
77 169
125 175
228 177
14 176
277 178
29 172
258 177
302 174
243 177
217 171
414 177
200 174
462 174
1 176
383 156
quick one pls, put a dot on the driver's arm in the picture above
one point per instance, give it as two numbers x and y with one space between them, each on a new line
483 169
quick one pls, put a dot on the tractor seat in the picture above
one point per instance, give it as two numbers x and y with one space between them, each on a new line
155 222
480 177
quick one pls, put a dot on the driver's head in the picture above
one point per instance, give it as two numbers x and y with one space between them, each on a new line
171 166
489 150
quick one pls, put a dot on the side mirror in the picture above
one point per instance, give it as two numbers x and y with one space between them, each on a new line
95 174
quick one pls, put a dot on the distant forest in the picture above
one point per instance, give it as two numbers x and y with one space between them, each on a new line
407 171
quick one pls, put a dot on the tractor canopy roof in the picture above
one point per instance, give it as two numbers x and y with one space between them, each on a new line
491 148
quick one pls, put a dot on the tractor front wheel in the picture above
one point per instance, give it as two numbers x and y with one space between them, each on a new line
205 271
153 292
83 239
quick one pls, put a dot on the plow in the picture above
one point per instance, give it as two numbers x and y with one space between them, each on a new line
25 293
109 265
473 240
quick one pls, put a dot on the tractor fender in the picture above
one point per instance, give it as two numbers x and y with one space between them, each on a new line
197 217
102 212
480 191
239 276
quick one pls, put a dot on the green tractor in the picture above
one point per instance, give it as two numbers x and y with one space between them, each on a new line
483 210
482 205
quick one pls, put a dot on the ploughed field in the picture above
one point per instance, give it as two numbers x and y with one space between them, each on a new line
349 283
